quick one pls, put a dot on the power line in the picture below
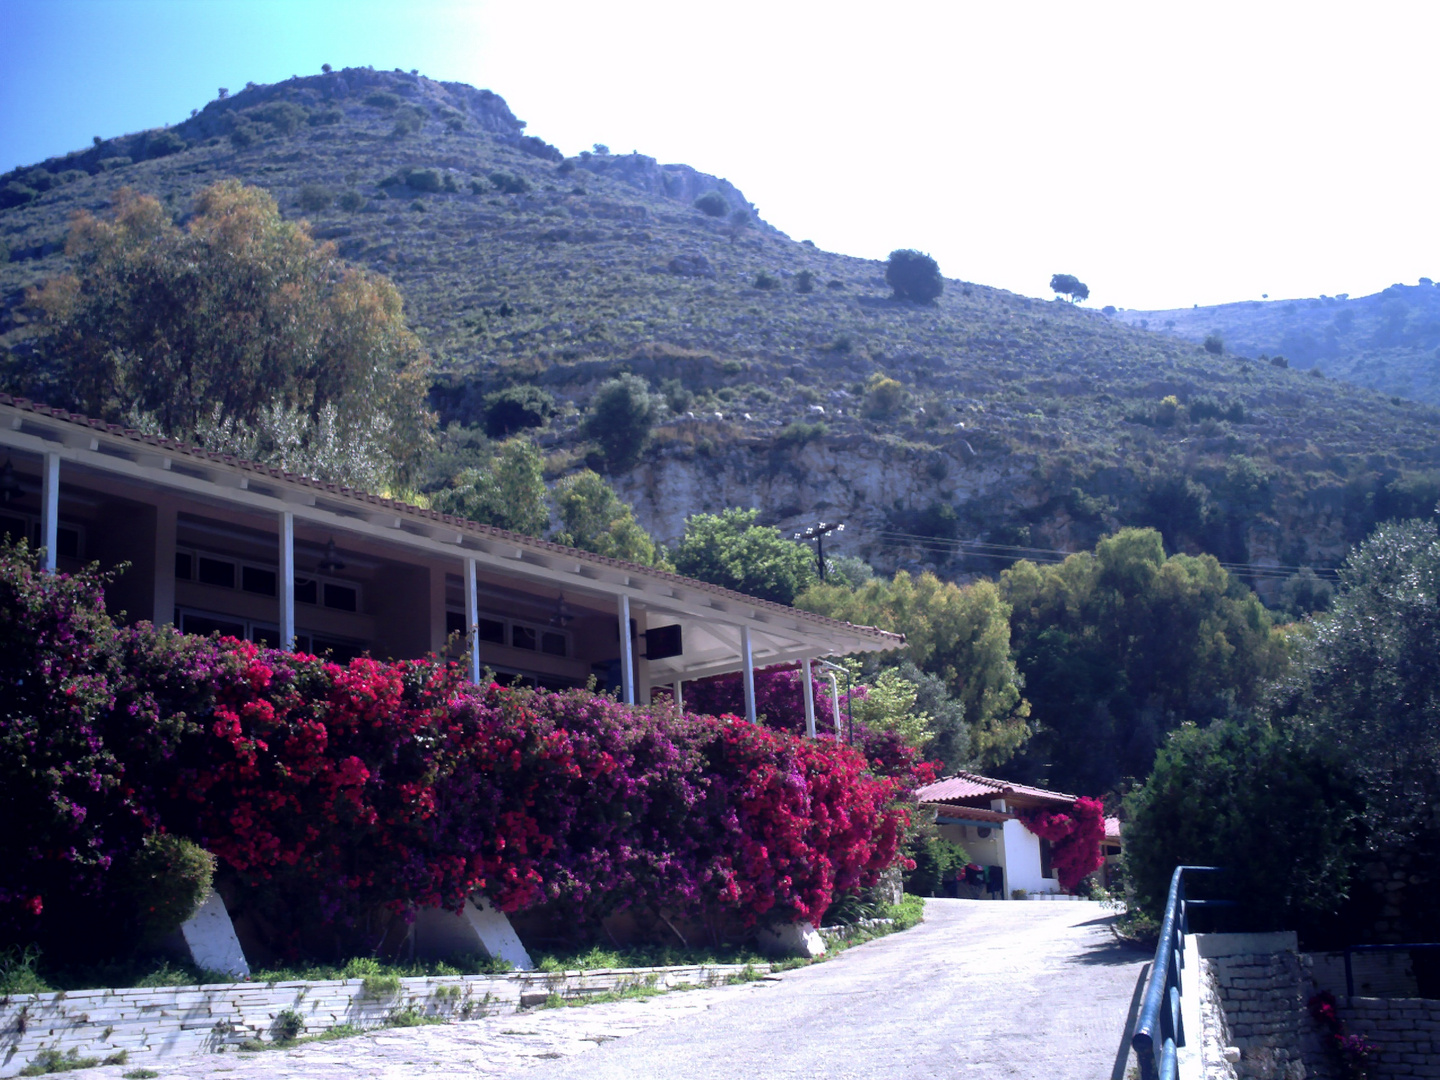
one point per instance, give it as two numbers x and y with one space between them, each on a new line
1015 552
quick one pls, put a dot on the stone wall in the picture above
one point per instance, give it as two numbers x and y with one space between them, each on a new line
1406 1032
174 1021
1263 988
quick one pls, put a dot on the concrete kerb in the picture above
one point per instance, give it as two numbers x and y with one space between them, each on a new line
165 1022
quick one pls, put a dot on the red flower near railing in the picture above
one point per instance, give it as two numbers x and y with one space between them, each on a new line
1352 1051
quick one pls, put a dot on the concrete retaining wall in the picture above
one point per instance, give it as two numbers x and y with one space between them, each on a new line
175 1021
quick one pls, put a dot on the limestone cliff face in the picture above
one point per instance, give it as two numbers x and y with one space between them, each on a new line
678 182
864 483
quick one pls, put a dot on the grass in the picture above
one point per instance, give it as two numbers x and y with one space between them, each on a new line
52 1061
598 958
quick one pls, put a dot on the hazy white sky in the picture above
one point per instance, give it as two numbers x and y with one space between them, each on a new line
1165 154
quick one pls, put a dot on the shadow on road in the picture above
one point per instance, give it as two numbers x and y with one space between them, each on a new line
1110 953
1122 1054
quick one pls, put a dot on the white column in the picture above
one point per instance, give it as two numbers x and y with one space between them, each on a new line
472 619
50 509
809 699
627 653
835 700
675 689
287 581
748 659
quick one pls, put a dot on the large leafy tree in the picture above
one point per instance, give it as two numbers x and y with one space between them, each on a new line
1252 797
1366 685
913 275
593 518
621 415
729 549
237 312
1121 646
957 635
508 491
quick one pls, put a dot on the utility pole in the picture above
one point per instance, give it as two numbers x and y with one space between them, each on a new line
818 534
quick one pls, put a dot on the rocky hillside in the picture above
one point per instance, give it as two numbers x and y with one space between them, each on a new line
795 383
1389 341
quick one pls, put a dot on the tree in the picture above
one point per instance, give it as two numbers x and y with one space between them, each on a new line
1257 800
1215 346
509 493
729 549
960 636
913 275
593 518
1121 646
712 204
1071 286
621 415
239 311
516 408
1366 684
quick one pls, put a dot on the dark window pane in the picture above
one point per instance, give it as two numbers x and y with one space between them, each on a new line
184 566
67 542
253 579
522 637
552 644
341 597
216 572
341 652
492 631
13 527
204 624
263 636
305 591
454 623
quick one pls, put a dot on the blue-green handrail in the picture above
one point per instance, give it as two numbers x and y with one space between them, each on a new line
1158 1030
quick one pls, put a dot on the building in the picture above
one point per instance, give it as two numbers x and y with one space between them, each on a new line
979 814
214 543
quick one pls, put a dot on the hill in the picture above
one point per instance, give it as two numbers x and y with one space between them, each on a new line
950 434
1389 341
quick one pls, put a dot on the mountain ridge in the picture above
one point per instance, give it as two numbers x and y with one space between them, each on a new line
1016 421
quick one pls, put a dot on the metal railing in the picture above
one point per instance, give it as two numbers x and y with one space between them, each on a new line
1351 949
1159 1031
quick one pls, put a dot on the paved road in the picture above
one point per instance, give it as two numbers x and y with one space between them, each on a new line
1031 991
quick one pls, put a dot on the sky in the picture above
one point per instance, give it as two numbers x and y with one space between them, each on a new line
1167 154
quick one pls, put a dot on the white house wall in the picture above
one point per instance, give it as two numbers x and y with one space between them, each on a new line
1022 861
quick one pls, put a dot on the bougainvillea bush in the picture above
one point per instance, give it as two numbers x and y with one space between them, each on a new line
1075 837
335 792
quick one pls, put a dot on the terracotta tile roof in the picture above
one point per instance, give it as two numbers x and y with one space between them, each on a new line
175 446
972 813
964 785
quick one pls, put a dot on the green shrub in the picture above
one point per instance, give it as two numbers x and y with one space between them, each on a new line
1214 344
621 415
16 194
166 881
798 433
352 201
284 117
713 204
18 974
406 123
380 987
509 183
766 281
805 281
913 275
163 144
383 99
330 115
516 408
1257 800
288 1025
315 197
936 860
884 398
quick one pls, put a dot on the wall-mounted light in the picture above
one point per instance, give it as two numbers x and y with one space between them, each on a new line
332 561
9 486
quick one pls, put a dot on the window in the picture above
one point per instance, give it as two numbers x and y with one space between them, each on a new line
307 591
522 637
517 635
552 644
1047 869
454 623
492 631
184 566
255 579
218 572
341 597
